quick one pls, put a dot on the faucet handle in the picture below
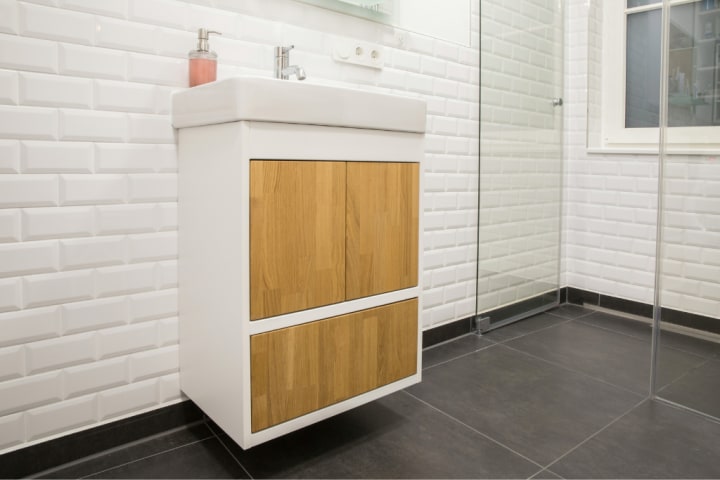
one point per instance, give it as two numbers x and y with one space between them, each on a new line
282 51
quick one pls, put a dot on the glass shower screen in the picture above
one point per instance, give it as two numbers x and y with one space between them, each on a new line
521 151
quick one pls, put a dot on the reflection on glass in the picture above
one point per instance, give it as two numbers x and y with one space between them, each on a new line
642 79
641 3
694 66
694 61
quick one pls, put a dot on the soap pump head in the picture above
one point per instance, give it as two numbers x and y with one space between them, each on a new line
203 34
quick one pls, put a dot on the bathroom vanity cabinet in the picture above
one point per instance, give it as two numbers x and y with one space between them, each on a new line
299 263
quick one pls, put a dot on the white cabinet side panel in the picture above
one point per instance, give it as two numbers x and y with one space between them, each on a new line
210 274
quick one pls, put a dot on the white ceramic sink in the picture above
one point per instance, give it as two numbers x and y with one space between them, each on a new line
287 101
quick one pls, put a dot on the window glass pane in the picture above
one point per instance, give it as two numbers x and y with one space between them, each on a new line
640 3
694 65
642 80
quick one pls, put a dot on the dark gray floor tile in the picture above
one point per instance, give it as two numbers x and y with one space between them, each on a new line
643 331
203 459
653 441
523 327
131 452
699 389
394 437
570 311
613 357
453 349
535 408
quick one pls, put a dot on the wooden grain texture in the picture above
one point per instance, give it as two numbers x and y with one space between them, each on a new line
300 369
297 236
382 227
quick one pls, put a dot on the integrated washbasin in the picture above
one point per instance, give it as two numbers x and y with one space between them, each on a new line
272 100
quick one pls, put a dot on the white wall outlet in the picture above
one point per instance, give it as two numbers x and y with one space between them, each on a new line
360 53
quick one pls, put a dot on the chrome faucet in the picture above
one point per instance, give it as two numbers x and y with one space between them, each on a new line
283 69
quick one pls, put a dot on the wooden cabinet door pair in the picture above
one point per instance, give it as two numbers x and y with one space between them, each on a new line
323 232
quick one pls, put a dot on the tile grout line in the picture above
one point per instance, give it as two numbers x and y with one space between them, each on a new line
566 320
574 318
116 449
474 429
569 369
231 454
459 356
608 329
596 433
685 374
148 456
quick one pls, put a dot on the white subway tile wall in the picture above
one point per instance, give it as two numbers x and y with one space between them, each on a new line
691 235
611 201
88 185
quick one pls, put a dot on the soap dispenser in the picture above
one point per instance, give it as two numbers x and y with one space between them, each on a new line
202 63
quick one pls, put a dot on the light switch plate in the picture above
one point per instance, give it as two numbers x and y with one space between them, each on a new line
360 53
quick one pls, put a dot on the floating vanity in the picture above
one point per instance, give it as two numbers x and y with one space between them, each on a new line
300 258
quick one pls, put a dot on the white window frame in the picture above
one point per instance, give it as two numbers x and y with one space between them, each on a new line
686 140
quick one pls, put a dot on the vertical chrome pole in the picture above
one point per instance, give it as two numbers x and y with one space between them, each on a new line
662 138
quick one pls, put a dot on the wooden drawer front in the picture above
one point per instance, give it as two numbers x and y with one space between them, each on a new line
297 236
301 369
382 228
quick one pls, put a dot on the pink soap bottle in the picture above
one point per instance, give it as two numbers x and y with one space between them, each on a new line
202 63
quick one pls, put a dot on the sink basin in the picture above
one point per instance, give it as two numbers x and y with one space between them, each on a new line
271 100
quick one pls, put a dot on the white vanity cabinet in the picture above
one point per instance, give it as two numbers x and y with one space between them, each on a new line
299 256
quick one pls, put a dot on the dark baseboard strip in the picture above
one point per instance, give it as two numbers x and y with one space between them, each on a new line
516 309
675 317
691 320
53 453
448 331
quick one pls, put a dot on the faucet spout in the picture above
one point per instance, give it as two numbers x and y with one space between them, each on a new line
296 70
283 69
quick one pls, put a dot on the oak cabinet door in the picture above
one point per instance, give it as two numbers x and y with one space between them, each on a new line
301 369
382 227
297 236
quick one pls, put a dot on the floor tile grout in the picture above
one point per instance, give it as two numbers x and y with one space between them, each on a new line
596 433
544 470
584 374
501 342
637 337
473 429
230 452
120 448
148 456
685 374
459 356
585 314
